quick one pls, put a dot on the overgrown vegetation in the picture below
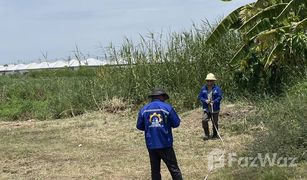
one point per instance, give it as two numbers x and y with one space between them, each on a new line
179 65
273 51
278 125
50 94
285 124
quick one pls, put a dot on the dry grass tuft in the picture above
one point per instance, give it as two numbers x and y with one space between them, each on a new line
114 105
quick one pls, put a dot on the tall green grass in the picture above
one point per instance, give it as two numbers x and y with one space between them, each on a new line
177 62
180 65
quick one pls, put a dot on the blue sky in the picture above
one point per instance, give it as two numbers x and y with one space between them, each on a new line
30 28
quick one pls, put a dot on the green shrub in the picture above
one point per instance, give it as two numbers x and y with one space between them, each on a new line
17 109
285 121
45 97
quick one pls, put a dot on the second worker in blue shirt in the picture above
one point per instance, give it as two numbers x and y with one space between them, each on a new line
210 96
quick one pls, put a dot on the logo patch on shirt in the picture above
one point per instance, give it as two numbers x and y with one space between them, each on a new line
155 120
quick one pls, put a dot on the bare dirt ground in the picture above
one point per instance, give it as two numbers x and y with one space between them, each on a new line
103 145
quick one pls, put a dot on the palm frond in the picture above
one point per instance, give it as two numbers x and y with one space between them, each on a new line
239 54
272 56
300 25
271 11
247 12
263 3
224 26
291 5
258 28
271 34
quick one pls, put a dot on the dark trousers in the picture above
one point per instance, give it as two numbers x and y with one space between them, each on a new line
169 158
215 118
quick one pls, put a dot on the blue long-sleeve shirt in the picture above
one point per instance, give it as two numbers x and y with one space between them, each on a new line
216 97
157 119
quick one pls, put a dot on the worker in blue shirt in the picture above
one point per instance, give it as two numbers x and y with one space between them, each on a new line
157 119
210 96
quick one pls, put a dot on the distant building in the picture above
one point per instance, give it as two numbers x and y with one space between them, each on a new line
73 64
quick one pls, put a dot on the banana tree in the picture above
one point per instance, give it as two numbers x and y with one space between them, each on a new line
274 39
274 30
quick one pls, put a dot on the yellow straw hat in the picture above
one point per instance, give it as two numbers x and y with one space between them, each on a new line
210 77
